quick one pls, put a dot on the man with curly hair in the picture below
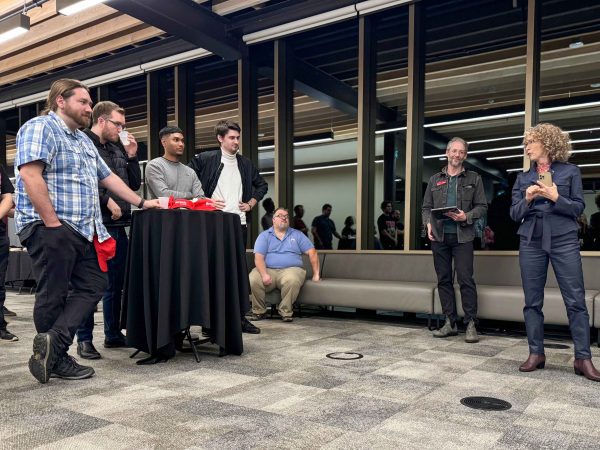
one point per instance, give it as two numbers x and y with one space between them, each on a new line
548 215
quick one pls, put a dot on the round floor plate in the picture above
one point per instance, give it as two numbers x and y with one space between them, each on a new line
486 403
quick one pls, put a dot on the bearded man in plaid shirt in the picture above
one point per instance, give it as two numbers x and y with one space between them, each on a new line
58 219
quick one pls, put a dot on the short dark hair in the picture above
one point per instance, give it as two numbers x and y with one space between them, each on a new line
297 208
385 203
105 109
268 204
169 130
325 206
223 126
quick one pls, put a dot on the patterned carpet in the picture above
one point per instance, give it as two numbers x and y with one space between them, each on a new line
285 393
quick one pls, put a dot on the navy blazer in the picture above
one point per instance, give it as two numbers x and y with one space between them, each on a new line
557 218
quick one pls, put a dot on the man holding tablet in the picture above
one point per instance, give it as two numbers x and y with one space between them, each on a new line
453 202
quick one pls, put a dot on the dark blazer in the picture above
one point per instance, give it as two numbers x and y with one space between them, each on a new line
206 165
556 218
470 197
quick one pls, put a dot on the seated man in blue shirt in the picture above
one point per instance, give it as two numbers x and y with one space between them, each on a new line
278 260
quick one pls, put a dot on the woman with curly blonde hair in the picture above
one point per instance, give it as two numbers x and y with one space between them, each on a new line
546 200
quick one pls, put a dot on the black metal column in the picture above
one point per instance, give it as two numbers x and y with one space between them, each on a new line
185 110
104 93
532 70
284 126
414 124
248 107
27 112
3 140
156 95
389 167
367 121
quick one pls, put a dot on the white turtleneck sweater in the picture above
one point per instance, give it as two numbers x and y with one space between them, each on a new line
229 186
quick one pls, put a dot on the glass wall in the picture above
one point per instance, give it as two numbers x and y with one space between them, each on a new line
570 98
325 131
475 89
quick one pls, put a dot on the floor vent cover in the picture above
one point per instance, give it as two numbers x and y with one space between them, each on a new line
486 403
344 355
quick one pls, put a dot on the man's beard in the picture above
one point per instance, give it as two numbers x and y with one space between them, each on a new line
81 120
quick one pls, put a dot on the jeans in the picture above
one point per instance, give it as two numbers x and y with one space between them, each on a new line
4 252
69 282
566 262
111 302
462 253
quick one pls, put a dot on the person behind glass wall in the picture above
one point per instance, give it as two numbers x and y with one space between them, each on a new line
452 237
386 225
595 225
323 229
297 221
108 119
266 221
348 241
547 199
399 229
226 174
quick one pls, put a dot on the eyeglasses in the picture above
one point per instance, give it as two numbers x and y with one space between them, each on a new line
116 124
282 217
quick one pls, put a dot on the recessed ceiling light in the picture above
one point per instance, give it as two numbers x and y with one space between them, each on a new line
576 44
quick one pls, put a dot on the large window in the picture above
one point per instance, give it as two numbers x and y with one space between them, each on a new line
570 97
475 89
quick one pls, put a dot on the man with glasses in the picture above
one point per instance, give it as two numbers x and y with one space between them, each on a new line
108 120
278 264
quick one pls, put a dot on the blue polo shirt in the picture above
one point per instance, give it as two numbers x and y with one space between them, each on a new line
284 253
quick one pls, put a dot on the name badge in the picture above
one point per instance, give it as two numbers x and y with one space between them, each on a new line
440 183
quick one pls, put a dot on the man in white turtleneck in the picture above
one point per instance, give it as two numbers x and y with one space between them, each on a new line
227 175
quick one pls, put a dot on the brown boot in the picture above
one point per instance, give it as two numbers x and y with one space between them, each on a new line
586 368
534 362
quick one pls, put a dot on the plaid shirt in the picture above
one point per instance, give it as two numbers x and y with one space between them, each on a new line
73 168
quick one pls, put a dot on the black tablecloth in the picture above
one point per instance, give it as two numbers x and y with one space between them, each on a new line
185 268
19 266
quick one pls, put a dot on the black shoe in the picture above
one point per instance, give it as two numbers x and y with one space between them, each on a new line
118 343
43 359
7 336
247 327
87 350
68 369
152 360
7 312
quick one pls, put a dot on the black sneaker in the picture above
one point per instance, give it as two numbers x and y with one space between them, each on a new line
247 327
7 336
68 369
7 312
43 359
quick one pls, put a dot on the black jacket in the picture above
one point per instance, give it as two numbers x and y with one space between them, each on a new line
470 197
206 165
126 169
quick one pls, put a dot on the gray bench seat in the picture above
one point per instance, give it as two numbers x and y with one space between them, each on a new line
506 303
369 294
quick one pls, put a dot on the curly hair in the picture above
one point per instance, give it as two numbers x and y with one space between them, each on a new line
555 141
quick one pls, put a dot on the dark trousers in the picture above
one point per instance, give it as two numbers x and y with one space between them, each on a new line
69 282
4 252
111 302
566 262
462 254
